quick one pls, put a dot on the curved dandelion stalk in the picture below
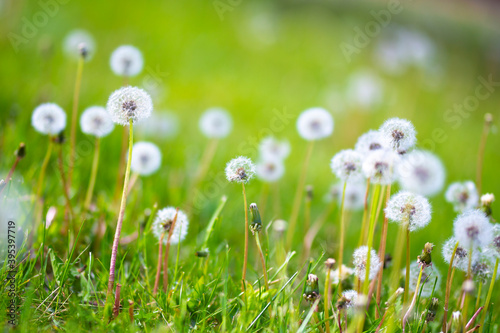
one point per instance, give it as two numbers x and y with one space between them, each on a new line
93 175
74 116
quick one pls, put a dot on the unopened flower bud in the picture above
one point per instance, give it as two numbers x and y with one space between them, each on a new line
309 192
256 224
311 292
425 258
21 151
468 286
433 307
329 263
486 201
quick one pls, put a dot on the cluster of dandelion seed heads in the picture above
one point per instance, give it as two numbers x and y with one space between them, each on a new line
270 170
427 280
360 260
146 158
129 103
315 124
409 209
76 40
163 223
461 260
380 166
421 172
462 195
96 121
272 148
240 170
347 164
49 118
473 229
399 134
126 60
370 141
216 123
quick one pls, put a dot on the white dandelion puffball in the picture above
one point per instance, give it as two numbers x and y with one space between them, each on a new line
399 134
240 170
315 124
216 123
380 166
129 103
271 148
370 141
96 121
365 90
473 229
494 246
408 209
126 60
344 274
163 125
360 260
146 158
427 280
463 195
49 118
270 170
421 172
347 164
77 39
163 223
461 259
351 299
354 194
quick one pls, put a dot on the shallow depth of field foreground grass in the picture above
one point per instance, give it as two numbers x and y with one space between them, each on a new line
251 200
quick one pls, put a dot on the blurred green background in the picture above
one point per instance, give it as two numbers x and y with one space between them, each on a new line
253 58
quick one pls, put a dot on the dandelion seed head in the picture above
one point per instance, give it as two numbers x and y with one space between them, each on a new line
354 194
163 223
409 209
349 301
360 260
270 170
461 260
347 164
429 275
345 273
75 40
399 134
129 103
126 60
462 195
216 123
96 121
315 124
240 170
49 118
146 158
370 141
272 148
472 228
380 166
421 172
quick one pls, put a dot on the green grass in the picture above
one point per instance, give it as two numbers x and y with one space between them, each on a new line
292 62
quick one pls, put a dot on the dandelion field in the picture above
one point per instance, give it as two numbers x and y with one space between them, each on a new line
253 133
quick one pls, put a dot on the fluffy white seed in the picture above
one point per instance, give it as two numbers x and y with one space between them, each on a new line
462 195
408 209
347 164
216 123
126 60
48 118
146 158
272 148
370 141
461 259
315 124
399 134
75 40
421 172
129 103
240 170
360 260
96 121
270 170
473 229
163 223
380 166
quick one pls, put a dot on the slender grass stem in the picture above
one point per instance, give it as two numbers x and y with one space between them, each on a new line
116 240
371 231
362 234
448 287
121 164
65 186
43 170
74 117
488 119
465 311
407 276
410 308
167 251
262 259
93 175
381 252
342 236
299 192
9 175
488 296
245 258
158 266
479 290
327 295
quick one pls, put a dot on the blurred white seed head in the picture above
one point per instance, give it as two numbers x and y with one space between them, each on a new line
216 123
350 301
272 148
126 60
347 164
370 141
49 118
315 124
421 172
345 273
280 226
163 223
240 170
96 121
360 260
354 194
380 166
146 158
129 103
472 228
461 260
427 280
462 195
494 247
162 125
76 40
408 209
365 90
399 134
270 170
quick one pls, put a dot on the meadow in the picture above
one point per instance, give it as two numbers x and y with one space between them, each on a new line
250 116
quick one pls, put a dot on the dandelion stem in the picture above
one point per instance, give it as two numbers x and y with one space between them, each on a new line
371 231
9 175
43 169
298 196
327 295
410 308
65 185
116 307
342 236
262 259
448 287
93 175
488 297
488 119
407 277
74 116
121 214
167 250
479 294
362 234
245 258
121 164
158 266
381 252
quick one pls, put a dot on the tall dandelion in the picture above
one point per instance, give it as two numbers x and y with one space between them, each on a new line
462 195
241 170
399 134
126 106
126 61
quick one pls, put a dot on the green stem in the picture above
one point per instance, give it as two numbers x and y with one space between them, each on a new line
448 287
381 251
262 259
371 232
93 175
342 236
245 258
365 215
407 277
327 295
488 297
74 116
405 318
43 169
